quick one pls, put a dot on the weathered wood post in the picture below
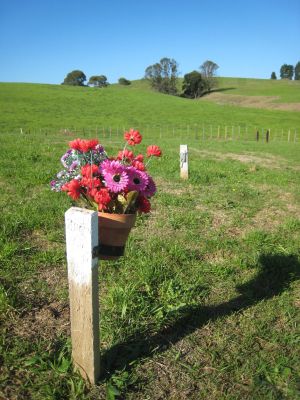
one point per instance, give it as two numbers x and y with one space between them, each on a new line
81 239
184 166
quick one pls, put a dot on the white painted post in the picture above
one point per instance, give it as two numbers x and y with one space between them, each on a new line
184 166
81 239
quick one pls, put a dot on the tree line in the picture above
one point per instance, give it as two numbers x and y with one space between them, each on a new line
163 77
288 71
78 78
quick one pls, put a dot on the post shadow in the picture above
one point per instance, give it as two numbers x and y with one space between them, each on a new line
275 275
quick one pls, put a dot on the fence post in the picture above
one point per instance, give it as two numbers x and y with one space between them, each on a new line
267 136
81 239
289 135
184 166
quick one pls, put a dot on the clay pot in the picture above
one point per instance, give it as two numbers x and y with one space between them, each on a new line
113 231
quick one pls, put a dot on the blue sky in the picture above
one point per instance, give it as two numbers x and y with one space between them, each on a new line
42 40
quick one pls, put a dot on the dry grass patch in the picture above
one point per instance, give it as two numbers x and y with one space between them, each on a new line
267 161
265 102
46 322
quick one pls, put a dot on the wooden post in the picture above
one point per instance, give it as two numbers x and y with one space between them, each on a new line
184 166
81 239
289 135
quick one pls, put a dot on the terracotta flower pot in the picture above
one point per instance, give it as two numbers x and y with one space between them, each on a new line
113 231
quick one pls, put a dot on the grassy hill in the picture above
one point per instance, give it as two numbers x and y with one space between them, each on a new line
36 106
287 91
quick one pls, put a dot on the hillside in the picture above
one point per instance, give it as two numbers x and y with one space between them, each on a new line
258 93
39 106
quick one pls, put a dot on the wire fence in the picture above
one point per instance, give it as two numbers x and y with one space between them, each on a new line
201 132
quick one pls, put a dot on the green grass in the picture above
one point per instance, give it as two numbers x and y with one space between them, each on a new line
204 305
288 91
56 107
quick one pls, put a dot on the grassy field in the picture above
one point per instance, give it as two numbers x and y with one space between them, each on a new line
205 304
55 107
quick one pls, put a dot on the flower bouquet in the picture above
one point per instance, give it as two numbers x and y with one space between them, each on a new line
117 187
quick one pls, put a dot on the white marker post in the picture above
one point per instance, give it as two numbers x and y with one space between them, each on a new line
184 166
81 239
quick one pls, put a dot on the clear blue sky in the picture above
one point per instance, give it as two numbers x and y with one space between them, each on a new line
43 40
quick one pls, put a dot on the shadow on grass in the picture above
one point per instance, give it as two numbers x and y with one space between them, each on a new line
217 90
275 275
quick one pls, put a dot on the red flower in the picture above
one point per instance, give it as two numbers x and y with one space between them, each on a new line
87 145
127 155
133 137
139 157
138 165
102 197
89 170
83 145
73 189
153 151
91 183
144 205
75 144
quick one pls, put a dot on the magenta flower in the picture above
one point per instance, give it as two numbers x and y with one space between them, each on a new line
150 188
115 176
138 180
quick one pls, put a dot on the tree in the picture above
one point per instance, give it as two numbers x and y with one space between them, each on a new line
75 78
286 71
124 81
273 75
193 85
163 75
297 71
208 71
98 81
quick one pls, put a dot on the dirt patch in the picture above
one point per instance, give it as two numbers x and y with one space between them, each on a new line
267 161
266 102
46 322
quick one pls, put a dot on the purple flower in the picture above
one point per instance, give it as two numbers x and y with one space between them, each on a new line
99 148
73 165
138 180
114 174
150 188
64 157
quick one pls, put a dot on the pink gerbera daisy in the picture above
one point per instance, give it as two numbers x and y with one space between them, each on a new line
138 180
150 188
115 176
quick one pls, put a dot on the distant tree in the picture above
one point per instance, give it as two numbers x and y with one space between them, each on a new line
297 71
193 85
75 78
163 76
208 71
98 81
286 71
124 81
273 75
